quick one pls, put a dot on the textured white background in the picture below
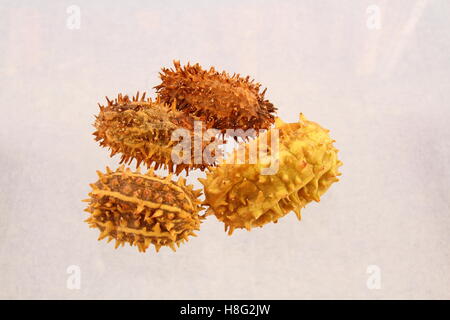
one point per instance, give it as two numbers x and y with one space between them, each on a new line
383 93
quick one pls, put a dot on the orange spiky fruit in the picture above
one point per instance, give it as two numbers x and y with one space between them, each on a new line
241 196
220 100
143 209
141 130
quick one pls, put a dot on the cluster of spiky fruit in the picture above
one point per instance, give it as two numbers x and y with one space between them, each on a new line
241 196
144 209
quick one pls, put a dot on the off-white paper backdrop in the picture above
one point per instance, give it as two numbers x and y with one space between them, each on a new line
376 73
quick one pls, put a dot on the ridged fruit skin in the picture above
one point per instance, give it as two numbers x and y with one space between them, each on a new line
141 129
143 209
220 100
241 197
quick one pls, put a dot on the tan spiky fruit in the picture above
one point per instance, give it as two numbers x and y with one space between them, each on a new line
242 197
221 101
141 130
143 209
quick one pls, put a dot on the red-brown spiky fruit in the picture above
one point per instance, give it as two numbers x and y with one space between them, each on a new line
143 209
220 100
141 129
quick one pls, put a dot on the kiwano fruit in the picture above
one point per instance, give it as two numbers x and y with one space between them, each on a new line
242 197
221 101
143 209
141 129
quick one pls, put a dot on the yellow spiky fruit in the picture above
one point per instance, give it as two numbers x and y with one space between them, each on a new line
141 129
143 209
221 101
242 197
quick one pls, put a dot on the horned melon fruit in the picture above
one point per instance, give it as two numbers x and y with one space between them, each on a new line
221 101
143 209
141 129
241 196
